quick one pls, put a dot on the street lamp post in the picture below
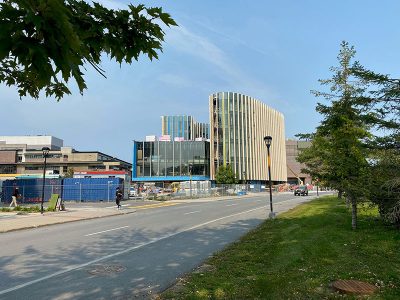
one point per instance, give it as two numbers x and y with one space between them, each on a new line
45 151
267 141
190 173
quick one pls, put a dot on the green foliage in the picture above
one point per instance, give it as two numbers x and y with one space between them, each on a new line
338 154
45 43
225 175
70 173
382 103
384 184
27 208
345 152
23 209
298 256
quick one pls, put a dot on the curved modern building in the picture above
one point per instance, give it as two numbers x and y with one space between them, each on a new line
238 124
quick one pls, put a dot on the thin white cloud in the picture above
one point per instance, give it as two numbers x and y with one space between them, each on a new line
231 38
184 40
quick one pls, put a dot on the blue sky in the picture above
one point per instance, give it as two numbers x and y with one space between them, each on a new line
274 51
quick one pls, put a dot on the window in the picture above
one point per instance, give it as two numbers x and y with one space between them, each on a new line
99 167
40 156
34 168
8 169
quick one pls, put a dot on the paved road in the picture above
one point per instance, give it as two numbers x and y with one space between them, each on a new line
130 256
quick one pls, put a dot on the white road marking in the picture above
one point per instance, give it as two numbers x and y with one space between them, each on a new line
152 241
106 230
232 204
192 212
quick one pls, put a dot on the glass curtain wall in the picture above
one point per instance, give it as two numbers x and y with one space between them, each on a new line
178 126
163 158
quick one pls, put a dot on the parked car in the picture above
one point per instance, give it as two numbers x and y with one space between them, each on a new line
132 192
301 190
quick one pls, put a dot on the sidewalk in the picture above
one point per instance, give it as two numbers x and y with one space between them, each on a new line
12 221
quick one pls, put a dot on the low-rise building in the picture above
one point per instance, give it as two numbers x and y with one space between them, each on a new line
27 157
294 173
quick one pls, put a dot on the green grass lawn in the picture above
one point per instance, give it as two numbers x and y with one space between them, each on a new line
298 255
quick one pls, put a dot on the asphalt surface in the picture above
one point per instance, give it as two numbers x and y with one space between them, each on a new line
126 257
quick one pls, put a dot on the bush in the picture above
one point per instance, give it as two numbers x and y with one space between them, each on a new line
27 208
21 209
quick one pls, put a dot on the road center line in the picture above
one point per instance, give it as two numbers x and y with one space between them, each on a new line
192 212
106 230
232 204
152 241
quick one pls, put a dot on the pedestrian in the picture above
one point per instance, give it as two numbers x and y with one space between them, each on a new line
15 195
118 197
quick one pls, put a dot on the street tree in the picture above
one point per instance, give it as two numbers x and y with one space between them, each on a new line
339 139
45 43
382 102
225 175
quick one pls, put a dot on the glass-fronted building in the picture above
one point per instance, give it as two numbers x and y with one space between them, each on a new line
184 127
171 161
238 126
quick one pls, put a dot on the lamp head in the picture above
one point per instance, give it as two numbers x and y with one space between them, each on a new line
267 140
45 151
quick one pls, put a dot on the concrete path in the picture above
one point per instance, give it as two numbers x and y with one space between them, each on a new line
12 221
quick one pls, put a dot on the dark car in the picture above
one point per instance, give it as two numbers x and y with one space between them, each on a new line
301 191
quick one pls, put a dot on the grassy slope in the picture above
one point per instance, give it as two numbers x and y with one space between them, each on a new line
299 254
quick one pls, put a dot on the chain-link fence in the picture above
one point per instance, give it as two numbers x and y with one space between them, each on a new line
106 192
76 192
200 189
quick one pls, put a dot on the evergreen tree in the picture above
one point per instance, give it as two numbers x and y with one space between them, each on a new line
225 175
382 103
338 151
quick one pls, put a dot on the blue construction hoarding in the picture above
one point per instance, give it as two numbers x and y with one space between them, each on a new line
31 189
90 189
75 189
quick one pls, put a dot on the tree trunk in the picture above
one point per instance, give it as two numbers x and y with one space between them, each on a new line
340 194
353 213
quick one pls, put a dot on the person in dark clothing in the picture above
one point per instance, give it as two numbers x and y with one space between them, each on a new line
15 196
118 197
